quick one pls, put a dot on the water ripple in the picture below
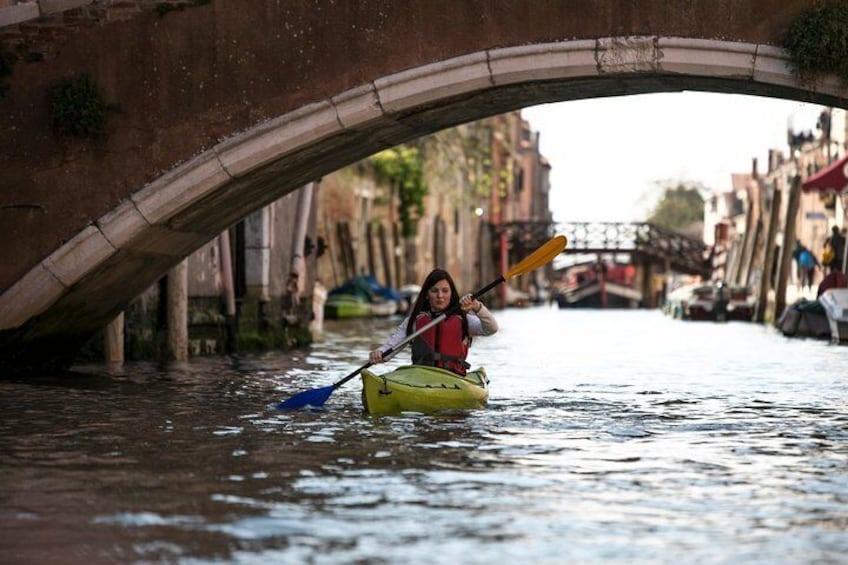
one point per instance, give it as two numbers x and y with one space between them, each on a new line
683 442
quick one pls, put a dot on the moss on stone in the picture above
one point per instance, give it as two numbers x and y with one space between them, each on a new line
77 108
817 41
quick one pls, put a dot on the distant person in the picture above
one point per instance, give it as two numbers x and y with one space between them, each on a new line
446 344
835 242
834 279
807 264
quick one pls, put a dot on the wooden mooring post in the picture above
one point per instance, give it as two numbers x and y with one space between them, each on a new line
647 285
788 243
113 341
176 344
768 257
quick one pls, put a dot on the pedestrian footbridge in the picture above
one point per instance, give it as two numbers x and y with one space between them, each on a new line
645 242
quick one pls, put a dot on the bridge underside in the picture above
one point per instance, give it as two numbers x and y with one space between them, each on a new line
126 214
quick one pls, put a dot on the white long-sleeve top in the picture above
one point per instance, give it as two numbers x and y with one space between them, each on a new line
482 323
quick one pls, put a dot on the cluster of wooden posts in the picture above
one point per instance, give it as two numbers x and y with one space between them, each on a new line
759 249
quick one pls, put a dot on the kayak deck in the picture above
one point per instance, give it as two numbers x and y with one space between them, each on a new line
419 388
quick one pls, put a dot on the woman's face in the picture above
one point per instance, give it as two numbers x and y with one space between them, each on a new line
439 295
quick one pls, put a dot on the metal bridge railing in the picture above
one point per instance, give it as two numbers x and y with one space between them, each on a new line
643 240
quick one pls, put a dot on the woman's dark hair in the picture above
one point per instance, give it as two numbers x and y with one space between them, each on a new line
422 302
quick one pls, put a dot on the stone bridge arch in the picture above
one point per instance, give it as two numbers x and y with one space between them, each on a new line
229 106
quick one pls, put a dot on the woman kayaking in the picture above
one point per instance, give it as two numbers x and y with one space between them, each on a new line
463 392
446 344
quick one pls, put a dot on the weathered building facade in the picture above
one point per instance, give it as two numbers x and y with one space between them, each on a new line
753 226
483 179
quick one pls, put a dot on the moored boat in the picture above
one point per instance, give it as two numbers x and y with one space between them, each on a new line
834 302
359 297
596 295
341 306
419 388
599 285
710 300
804 318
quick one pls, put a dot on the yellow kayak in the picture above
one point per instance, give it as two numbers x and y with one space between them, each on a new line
418 388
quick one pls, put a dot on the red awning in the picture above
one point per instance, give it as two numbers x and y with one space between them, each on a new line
833 178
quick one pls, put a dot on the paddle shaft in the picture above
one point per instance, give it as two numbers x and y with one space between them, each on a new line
437 320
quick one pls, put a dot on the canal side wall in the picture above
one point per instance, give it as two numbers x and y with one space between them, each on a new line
258 327
266 317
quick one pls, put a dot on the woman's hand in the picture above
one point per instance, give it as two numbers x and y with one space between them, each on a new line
375 357
469 304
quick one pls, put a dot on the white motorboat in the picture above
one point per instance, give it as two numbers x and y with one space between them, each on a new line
835 304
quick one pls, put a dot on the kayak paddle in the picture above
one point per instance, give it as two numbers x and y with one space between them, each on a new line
542 256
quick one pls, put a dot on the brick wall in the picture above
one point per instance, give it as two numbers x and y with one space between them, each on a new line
35 28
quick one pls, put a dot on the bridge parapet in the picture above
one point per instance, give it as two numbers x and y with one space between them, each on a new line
683 253
600 237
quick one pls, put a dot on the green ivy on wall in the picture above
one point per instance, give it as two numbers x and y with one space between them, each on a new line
402 167
77 108
464 152
817 41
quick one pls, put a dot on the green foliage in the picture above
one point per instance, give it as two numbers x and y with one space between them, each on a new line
818 41
463 154
679 208
477 148
77 108
402 167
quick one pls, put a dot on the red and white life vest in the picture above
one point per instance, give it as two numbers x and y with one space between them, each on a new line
444 345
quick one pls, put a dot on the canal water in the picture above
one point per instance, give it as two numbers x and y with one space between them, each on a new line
611 436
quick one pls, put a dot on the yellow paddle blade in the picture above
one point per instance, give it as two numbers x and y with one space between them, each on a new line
542 256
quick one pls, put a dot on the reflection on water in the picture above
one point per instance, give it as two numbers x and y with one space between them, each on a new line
610 436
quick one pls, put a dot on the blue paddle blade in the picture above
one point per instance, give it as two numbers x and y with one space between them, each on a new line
315 397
